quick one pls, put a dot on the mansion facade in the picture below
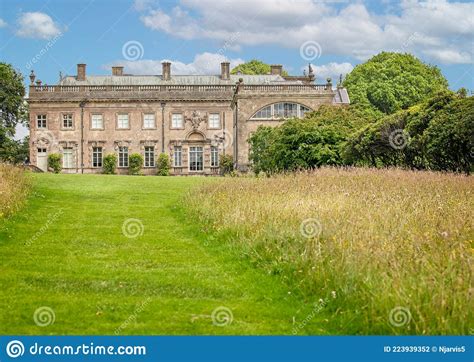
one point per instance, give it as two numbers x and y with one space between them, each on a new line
192 118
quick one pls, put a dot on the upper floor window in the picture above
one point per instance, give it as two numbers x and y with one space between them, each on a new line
123 121
149 120
176 120
123 157
97 121
214 120
149 156
67 120
41 120
281 110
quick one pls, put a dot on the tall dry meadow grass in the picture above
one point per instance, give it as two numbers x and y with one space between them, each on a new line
389 250
14 188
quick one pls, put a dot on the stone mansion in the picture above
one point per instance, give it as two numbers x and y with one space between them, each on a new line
192 118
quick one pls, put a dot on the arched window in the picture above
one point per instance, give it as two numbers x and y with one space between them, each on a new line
281 110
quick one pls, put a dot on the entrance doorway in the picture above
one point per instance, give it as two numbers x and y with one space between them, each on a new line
196 159
42 159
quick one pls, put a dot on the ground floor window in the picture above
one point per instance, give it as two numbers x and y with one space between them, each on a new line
214 156
123 157
149 156
195 159
177 156
97 157
68 158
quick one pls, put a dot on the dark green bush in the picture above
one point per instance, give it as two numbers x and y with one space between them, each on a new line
135 163
110 163
163 165
54 162
304 143
226 163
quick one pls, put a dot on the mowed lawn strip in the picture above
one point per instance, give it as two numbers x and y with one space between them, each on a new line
66 250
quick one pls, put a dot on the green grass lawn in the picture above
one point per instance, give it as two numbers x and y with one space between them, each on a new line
66 250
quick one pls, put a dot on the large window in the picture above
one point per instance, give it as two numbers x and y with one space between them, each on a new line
122 121
97 121
67 120
68 158
41 120
176 120
195 159
214 120
177 156
123 157
149 156
281 110
214 156
97 157
149 120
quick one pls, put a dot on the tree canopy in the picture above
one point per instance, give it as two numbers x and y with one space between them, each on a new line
389 82
316 140
254 66
13 110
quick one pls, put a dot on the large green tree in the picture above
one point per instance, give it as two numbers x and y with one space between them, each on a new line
13 110
389 82
316 140
254 66
436 134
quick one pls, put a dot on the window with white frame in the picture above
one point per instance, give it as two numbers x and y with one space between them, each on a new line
123 157
176 120
97 121
196 158
149 156
177 156
96 156
41 120
149 120
214 156
122 121
281 110
67 120
214 120
68 158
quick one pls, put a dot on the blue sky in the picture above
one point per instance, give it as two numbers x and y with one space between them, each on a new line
50 36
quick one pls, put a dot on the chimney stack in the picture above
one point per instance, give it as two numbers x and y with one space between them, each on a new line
118 70
276 69
166 73
81 72
225 70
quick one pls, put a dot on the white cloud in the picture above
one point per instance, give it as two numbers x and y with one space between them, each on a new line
347 29
331 70
2 23
37 25
450 56
204 63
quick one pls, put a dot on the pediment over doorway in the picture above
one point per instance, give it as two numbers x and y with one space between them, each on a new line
195 136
